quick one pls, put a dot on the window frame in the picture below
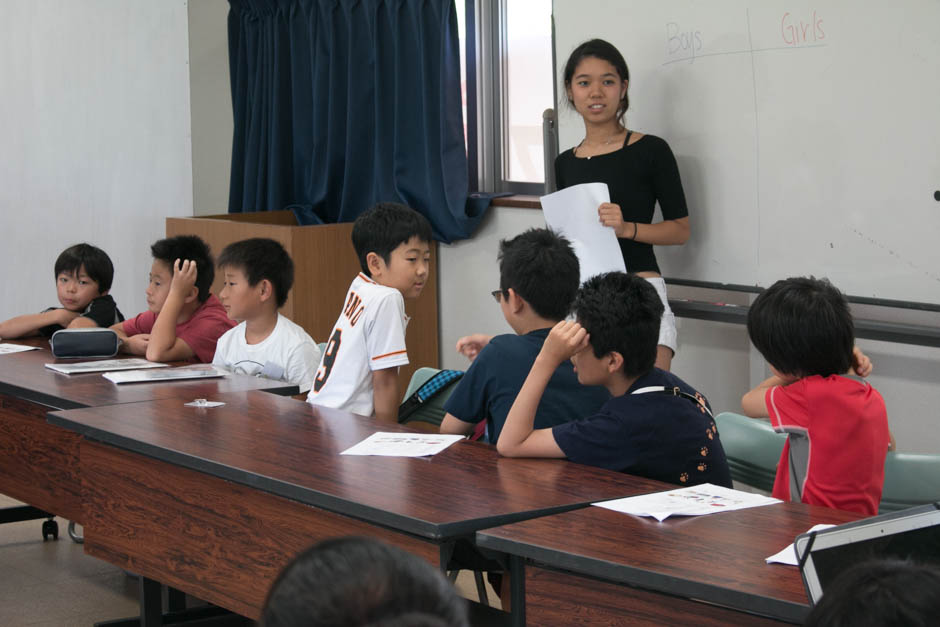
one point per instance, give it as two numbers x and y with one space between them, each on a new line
487 117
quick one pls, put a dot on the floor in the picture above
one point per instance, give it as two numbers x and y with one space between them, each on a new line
54 584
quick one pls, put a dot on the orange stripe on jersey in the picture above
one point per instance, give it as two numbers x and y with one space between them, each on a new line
367 279
388 355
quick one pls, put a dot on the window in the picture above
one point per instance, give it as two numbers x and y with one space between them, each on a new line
528 92
507 52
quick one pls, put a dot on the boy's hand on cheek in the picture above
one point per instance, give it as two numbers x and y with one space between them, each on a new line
565 339
184 277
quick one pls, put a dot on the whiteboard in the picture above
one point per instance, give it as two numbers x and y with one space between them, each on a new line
807 134
95 128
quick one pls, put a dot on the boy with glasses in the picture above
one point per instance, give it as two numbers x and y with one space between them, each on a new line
539 277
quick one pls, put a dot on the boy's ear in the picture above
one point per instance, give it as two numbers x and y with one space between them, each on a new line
515 302
266 290
614 361
375 263
193 295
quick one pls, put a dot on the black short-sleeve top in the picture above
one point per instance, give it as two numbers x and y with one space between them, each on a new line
102 310
638 175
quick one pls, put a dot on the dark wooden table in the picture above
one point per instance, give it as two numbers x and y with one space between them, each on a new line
39 461
594 566
216 501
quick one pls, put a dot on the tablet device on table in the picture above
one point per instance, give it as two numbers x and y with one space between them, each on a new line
908 534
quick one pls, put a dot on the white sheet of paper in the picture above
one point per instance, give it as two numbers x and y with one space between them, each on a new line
692 501
6 349
82 367
788 555
573 213
201 371
403 444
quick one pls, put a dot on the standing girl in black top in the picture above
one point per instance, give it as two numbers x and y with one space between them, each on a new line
639 170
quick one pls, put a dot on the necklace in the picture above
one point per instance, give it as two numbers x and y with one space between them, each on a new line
609 141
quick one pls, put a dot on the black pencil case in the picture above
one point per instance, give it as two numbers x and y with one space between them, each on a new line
90 342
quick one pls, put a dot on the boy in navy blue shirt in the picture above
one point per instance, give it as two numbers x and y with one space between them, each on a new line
655 425
539 276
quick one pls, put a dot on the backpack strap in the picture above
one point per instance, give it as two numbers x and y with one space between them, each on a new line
431 388
698 399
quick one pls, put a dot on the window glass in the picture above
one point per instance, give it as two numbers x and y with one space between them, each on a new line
528 87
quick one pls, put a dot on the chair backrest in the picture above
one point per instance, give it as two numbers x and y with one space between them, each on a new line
431 411
752 447
910 480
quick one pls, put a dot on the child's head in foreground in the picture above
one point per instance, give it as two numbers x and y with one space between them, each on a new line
165 253
353 582
882 593
258 274
540 266
803 327
393 243
82 273
621 313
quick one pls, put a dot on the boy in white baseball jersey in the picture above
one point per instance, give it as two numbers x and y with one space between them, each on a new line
359 368
258 274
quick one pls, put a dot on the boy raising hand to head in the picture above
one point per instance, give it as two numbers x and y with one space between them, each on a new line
184 320
837 426
655 425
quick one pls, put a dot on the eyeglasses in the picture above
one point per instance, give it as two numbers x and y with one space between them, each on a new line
497 295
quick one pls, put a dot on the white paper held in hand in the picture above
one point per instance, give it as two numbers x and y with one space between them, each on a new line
572 212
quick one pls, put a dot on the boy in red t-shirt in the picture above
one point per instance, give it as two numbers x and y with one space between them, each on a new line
837 426
184 320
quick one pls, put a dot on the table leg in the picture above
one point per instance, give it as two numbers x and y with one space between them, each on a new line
517 590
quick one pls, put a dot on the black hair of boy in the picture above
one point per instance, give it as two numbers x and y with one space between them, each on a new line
881 593
621 313
353 581
541 267
96 262
803 327
384 227
261 258
189 247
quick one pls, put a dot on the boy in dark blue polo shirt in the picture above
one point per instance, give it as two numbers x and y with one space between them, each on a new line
655 425
539 276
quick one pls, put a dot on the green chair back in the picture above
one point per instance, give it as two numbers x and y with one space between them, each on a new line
910 480
752 447
433 410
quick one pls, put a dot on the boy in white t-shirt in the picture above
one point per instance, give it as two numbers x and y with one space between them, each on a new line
258 274
359 368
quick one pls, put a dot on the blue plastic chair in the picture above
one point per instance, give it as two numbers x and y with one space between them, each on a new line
910 480
752 447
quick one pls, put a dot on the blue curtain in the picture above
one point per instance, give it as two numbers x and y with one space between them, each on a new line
339 104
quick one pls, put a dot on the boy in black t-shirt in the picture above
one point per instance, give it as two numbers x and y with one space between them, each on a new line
655 425
83 275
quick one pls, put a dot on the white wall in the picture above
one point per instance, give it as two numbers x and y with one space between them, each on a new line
95 121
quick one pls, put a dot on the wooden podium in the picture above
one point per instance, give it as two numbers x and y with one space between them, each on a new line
324 266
